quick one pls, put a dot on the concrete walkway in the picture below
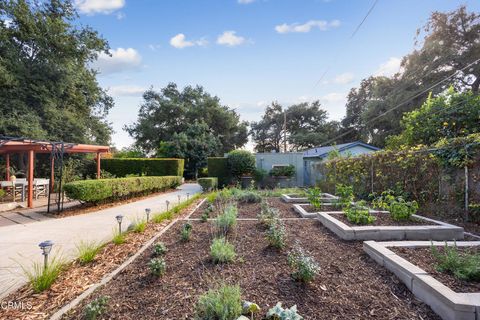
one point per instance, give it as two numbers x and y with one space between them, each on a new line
19 243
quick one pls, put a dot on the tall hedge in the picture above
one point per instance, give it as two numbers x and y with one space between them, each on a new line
144 166
218 167
105 190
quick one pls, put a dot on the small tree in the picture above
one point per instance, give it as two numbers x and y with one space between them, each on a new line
241 162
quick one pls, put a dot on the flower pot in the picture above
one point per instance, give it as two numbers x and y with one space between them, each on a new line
282 181
246 181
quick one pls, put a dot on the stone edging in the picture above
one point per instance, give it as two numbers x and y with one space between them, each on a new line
298 207
445 302
75 302
325 197
437 231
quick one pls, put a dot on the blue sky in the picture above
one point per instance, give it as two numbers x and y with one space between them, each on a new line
251 52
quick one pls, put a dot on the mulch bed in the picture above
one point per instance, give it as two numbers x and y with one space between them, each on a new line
423 258
384 219
251 210
77 278
350 285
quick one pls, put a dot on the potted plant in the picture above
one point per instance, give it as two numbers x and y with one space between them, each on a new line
242 166
282 175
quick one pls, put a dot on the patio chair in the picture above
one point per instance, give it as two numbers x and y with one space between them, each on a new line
13 189
40 187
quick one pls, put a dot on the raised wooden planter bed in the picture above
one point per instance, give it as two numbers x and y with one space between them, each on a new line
446 302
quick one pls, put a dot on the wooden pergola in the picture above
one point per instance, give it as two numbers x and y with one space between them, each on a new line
13 145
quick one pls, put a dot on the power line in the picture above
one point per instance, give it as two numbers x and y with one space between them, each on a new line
351 37
403 102
365 18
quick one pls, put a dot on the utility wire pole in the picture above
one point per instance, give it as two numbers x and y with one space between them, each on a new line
285 131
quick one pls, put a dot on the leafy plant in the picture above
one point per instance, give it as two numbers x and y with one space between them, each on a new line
119 238
345 194
41 278
402 210
267 214
138 225
159 249
211 197
204 217
283 171
222 251
96 308
304 266
249 197
384 200
279 313
186 231
464 266
223 303
314 197
276 234
227 220
157 266
241 162
86 251
359 214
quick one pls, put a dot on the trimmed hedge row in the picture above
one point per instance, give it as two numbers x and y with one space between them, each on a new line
208 183
104 190
218 167
144 166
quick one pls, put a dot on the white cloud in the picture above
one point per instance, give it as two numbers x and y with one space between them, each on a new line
120 15
245 1
229 38
344 78
99 6
179 41
333 97
322 25
126 91
120 60
389 68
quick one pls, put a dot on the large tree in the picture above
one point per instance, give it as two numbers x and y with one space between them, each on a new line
447 44
165 114
304 125
194 144
47 89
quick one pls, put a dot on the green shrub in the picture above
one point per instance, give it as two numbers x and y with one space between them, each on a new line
359 214
279 313
159 249
345 194
218 167
276 234
305 268
138 225
211 197
96 308
121 167
208 184
283 171
186 231
227 220
222 251
241 162
87 250
403 210
2 193
464 266
157 266
103 190
41 278
314 197
224 303
119 238
267 214
249 197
